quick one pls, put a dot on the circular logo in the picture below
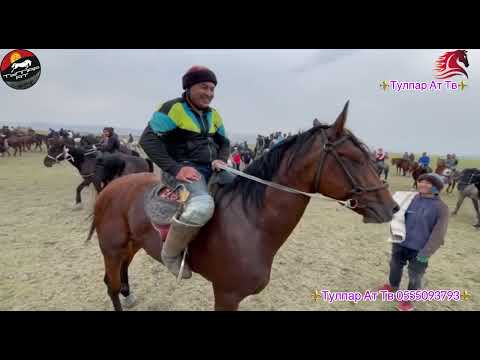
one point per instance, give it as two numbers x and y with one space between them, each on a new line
20 69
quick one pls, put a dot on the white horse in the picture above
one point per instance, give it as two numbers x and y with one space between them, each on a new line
24 64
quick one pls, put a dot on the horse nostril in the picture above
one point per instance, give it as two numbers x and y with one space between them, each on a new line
396 209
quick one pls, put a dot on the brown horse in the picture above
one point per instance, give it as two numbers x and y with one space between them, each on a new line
402 165
236 248
4 145
417 170
16 143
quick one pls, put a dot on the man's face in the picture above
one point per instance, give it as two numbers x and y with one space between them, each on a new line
202 94
106 133
424 187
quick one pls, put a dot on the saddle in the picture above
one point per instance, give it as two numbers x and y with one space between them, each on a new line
164 201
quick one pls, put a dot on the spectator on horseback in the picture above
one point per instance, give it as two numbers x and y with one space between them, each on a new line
186 139
424 161
109 145
412 158
110 142
405 156
418 231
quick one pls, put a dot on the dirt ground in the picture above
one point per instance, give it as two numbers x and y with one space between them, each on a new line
45 264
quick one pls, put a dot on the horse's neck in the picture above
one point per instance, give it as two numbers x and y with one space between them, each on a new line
283 210
78 158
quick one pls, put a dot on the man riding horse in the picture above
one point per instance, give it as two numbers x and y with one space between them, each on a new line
109 145
186 139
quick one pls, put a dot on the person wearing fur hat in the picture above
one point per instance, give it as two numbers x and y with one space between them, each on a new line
426 222
186 138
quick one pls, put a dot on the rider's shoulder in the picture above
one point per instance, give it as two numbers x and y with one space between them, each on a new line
165 107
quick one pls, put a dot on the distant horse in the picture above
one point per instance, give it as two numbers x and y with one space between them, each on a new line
4 145
85 159
38 140
60 140
402 165
16 143
418 170
236 248
469 186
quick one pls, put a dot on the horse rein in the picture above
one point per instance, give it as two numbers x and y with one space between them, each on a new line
68 156
328 148
64 153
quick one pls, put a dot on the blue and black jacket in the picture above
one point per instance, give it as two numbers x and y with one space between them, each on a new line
176 135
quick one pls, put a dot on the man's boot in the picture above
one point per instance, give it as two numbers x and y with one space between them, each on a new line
178 237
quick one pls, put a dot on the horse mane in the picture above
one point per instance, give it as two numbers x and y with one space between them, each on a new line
266 167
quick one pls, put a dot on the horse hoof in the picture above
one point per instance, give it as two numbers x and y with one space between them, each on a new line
129 301
78 206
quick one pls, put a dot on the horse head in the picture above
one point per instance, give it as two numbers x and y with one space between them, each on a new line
57 153
342 168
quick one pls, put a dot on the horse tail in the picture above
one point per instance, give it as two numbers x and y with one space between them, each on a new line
91 217
150 165
92 228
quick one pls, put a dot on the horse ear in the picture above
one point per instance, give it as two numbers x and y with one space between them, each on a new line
339 124
316 122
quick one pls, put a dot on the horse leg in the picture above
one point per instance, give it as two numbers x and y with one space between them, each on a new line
475 205
112 279
461 197
130 298
226 300
80 187
97 184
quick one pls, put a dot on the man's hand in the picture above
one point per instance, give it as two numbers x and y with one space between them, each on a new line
217 162
188 174
422 259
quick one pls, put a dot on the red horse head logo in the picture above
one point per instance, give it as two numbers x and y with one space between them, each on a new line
448 64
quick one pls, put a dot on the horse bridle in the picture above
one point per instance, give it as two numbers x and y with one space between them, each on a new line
357 190
64 153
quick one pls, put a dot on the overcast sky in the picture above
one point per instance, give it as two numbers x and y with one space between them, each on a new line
259 91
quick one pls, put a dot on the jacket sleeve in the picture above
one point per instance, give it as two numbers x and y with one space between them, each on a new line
222 141
153 143
437 237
